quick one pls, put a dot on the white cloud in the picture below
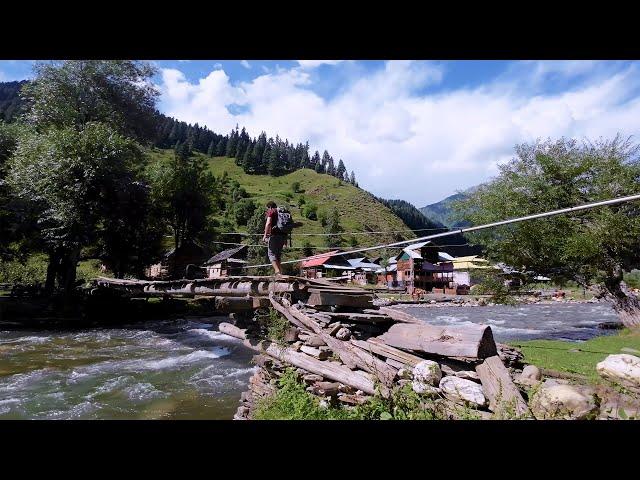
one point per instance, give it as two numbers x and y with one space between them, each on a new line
402 141
245 64
309 64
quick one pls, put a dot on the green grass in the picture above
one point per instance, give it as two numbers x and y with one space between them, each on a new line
292 402
580 358
359 210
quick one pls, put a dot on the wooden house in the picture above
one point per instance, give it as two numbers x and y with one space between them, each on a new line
227 263
326 265
174 263
418 266
365 270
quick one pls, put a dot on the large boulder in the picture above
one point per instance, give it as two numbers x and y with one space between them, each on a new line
427 372
622 369
531 372
460 390
557 401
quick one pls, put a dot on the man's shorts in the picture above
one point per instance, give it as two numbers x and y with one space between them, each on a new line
276 244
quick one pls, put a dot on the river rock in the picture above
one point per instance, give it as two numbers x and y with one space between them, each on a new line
468 375
567 402
427 372
460 390
424 388
343 334
531 372
622 369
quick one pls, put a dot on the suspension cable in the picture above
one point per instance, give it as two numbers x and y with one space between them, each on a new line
561 211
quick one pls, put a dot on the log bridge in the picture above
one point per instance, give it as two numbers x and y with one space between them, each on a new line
242 293
347 349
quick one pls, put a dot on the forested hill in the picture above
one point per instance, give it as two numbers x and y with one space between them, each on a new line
442 211
10 101
423 226
256 156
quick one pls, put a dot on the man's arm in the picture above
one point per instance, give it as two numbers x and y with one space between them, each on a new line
267 229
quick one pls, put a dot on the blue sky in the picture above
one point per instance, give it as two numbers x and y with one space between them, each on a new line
416 130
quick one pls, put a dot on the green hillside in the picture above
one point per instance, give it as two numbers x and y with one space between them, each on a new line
359 210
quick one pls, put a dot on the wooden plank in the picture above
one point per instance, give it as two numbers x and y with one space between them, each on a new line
357 301
380 348
499 388
358 317
472 342
351 356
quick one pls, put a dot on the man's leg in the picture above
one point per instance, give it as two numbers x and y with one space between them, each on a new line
277 267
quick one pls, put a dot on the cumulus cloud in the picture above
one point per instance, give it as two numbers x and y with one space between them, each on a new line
404 140
309 64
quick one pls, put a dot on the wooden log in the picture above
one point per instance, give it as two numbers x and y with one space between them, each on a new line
232 330
499 388
352 357
396 364
378 347
472 342
399 316
330 370
358 317
315 352
357 301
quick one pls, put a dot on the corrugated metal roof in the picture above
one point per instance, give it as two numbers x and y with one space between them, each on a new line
225 254
319 259
392 260
338 267
445 256
415 246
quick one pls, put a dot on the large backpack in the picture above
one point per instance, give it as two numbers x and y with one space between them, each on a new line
285 222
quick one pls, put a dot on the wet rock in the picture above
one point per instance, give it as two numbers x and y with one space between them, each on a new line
622 369
460 390
567 402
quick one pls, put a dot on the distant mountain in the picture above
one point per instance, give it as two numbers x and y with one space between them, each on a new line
423 225
442 211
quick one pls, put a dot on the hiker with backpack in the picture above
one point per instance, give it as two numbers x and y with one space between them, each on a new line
276 229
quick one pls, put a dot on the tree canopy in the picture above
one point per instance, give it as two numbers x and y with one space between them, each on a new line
591 246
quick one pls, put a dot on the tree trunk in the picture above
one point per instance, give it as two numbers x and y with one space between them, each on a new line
52 270
68 271
625 303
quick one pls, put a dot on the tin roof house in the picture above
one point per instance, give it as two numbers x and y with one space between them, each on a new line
227 263
329 264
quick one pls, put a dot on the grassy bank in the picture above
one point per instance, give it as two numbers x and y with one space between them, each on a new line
580 358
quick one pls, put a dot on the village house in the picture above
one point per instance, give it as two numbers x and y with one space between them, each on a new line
418 267
326 265
465 267
227 263
174 263
387 276
365 270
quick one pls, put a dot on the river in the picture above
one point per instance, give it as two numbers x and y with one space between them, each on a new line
185 370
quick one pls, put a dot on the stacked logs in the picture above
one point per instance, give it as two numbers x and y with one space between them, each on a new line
345 356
